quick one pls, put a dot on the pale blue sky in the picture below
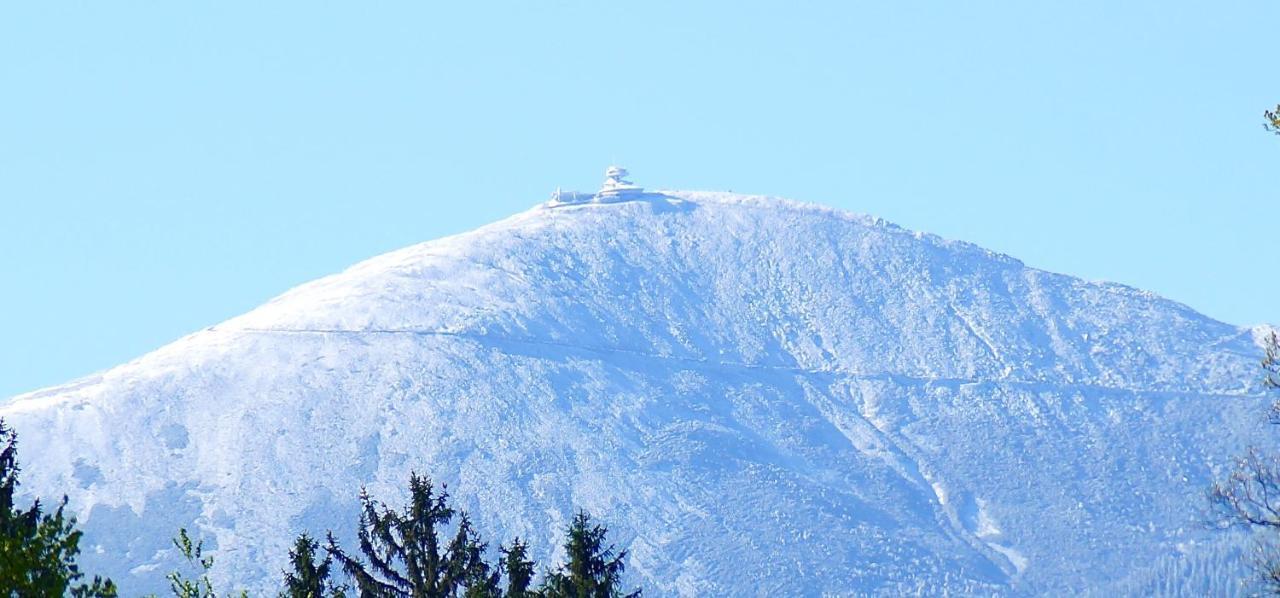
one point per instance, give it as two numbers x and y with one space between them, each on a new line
164 166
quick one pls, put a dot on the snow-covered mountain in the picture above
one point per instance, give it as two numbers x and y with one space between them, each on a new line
758 397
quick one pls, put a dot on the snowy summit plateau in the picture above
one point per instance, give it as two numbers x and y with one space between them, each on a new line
758 397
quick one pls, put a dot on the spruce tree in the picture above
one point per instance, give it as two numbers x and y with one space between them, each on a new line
519 569
479 579
593 570
38 550
309 578
404 552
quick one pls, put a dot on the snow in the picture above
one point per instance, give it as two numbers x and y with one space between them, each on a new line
755 394
1016 558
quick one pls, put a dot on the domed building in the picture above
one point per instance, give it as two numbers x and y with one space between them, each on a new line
616 187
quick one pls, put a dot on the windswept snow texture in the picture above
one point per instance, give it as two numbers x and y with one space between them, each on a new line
758 397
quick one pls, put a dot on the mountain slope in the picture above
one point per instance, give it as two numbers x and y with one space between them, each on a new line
757 396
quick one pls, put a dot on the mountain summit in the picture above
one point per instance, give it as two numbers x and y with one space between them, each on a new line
757 396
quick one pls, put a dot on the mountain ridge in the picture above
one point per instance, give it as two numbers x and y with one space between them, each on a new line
743 200
852 382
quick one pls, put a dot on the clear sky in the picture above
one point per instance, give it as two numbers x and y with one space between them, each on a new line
164 166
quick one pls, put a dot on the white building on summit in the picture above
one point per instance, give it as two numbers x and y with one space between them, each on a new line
617 187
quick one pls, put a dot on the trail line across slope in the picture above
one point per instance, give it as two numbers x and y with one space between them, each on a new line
892 376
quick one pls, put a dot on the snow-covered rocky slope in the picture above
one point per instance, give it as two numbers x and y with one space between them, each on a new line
758 397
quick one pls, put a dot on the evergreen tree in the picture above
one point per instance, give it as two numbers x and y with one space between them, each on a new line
519 569
480 580
309 579
593 570
404 552
38 550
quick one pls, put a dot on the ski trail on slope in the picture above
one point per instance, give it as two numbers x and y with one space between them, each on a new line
871 436
979 334
867 433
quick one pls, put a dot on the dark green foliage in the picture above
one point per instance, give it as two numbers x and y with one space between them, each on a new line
404 554
309 578
593 570
480 580
518 568
98 588
38 550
